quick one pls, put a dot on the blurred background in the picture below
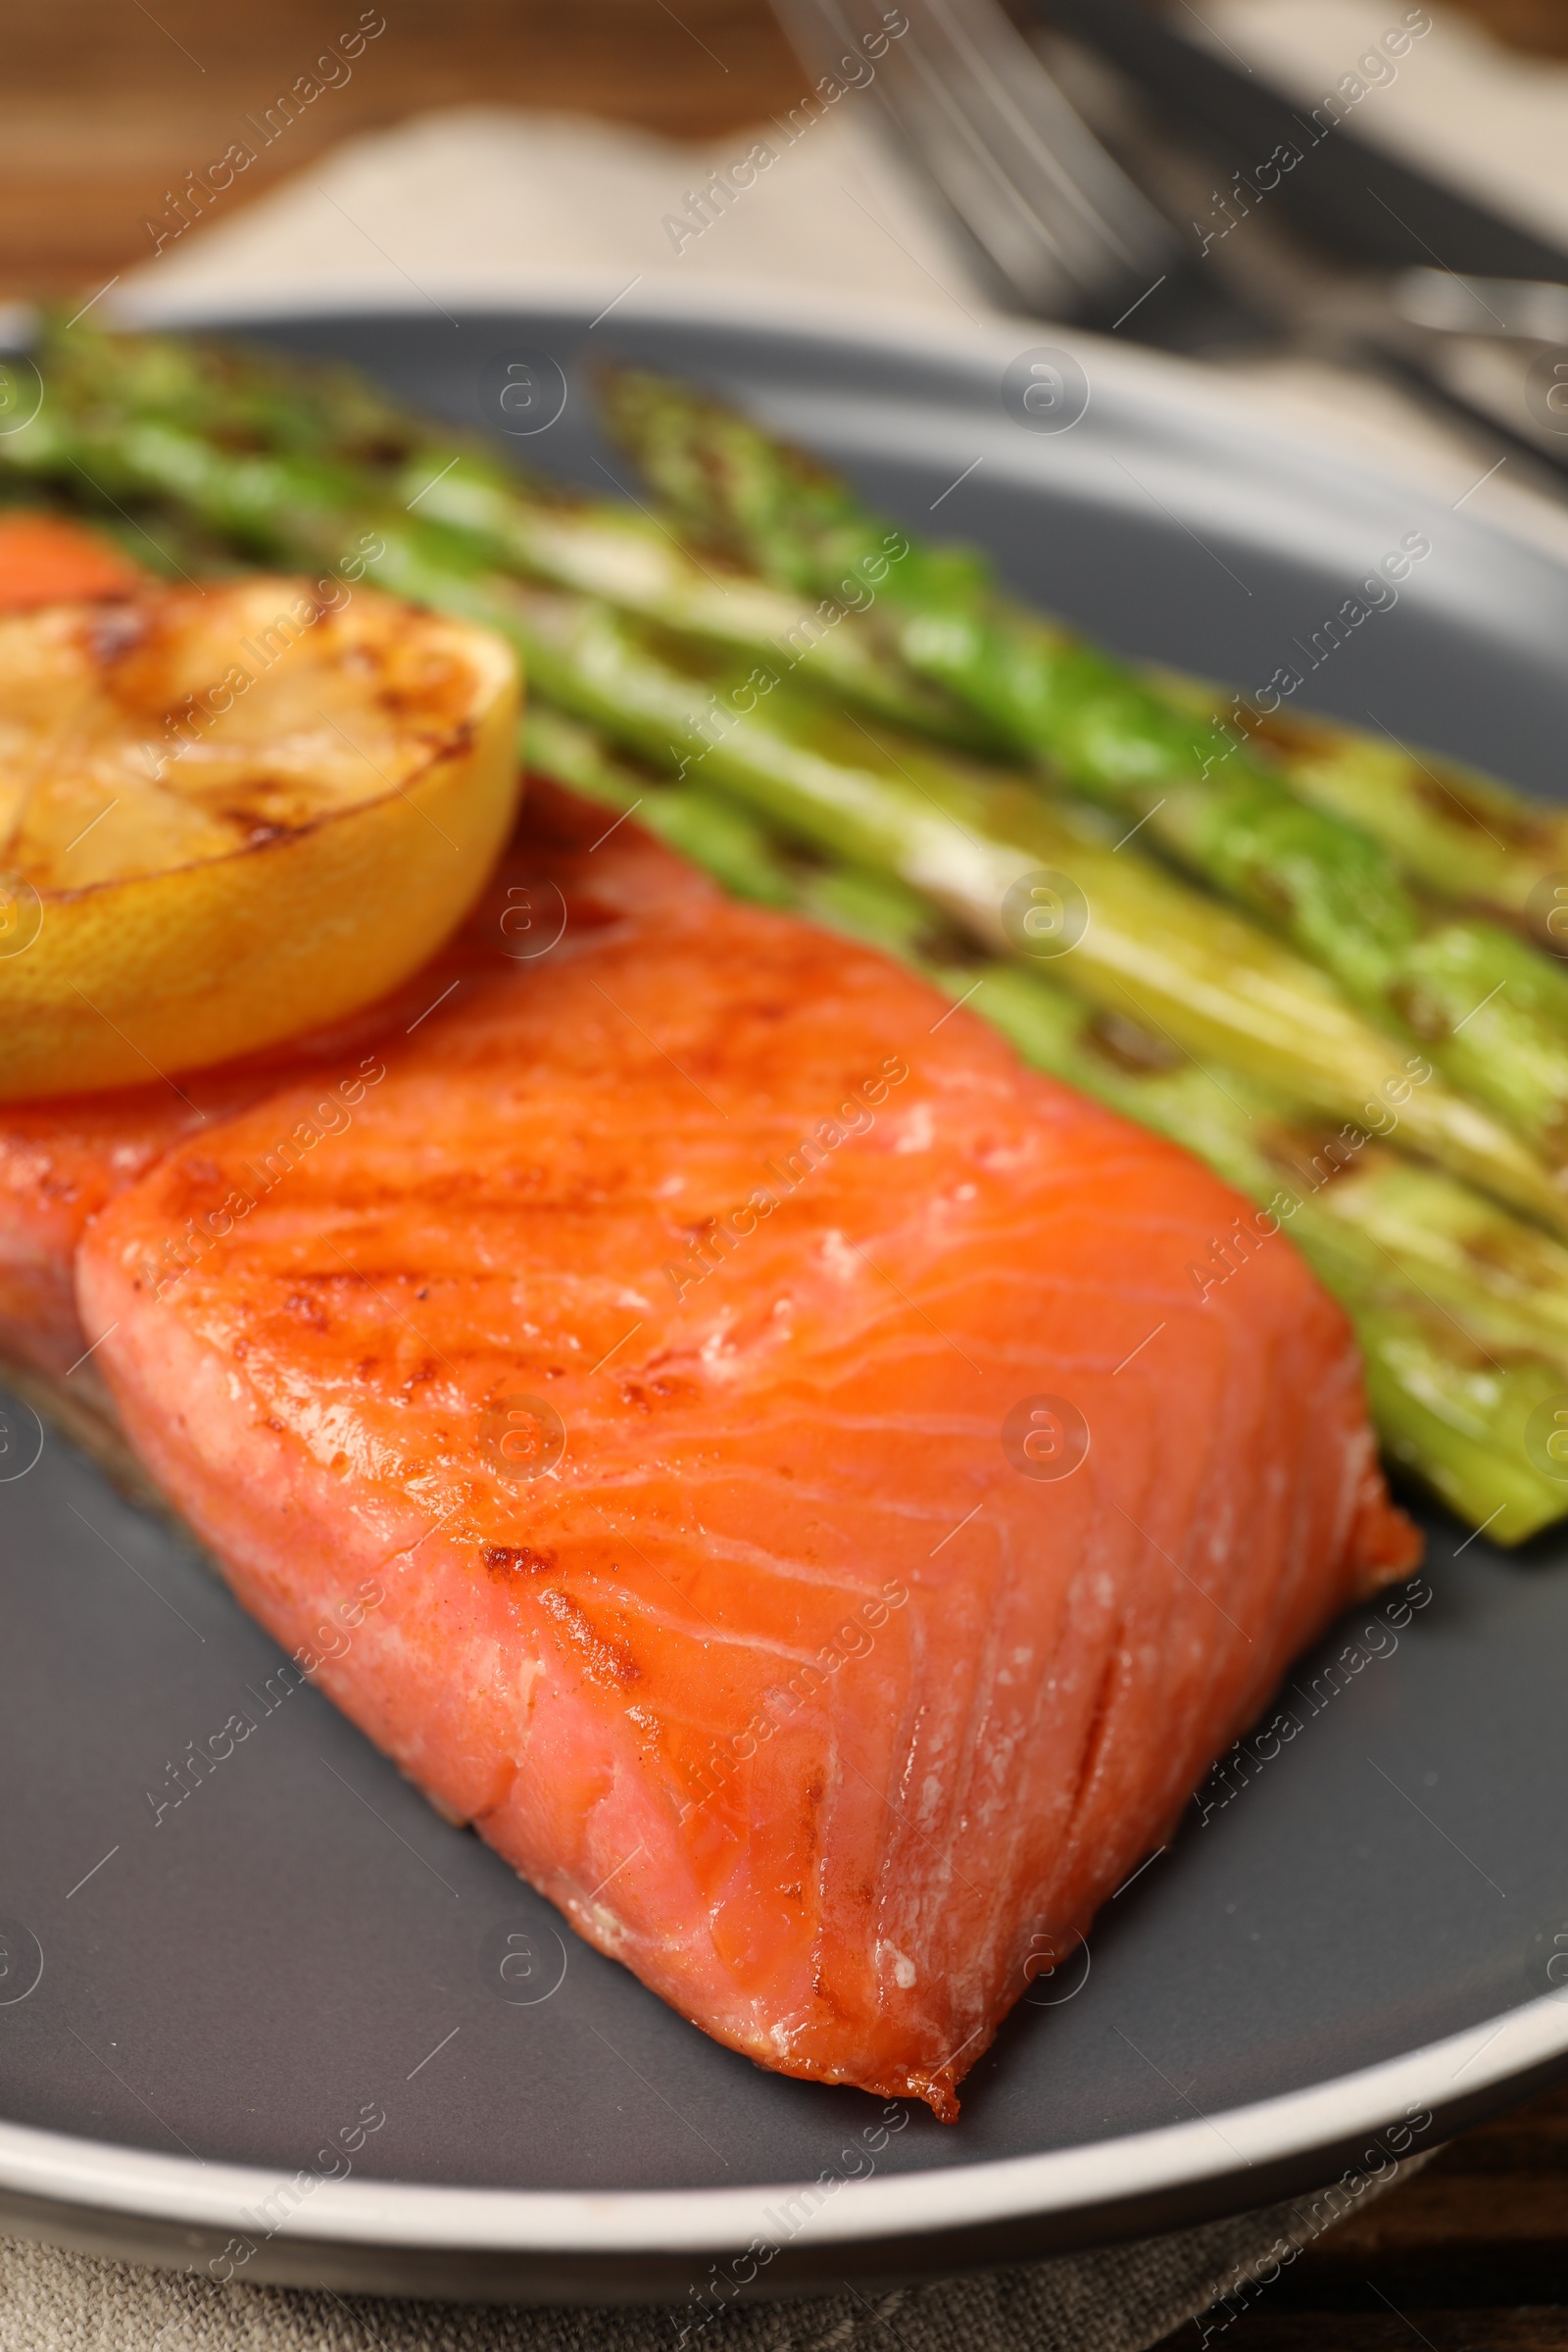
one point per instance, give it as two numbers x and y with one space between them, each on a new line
105 105
1361 204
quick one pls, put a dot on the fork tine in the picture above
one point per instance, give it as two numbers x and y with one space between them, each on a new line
976 111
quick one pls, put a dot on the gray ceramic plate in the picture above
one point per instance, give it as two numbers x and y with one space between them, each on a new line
1356 1928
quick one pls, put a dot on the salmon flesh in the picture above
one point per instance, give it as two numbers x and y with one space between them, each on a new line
825 1532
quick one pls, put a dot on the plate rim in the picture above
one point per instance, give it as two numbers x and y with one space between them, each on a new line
106 2179
1203 397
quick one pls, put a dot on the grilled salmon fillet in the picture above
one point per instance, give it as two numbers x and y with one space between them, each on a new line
825 1534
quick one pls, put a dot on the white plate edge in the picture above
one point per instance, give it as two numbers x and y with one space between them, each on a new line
137 2183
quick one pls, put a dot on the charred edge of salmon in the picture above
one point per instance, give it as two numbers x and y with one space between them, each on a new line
937 2090
1383 1543
935 2086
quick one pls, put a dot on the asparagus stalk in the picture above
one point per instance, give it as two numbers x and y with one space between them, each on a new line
153 537
1491 1013
1000 857
256 398
1455 832
1460 1310
698 824
632 560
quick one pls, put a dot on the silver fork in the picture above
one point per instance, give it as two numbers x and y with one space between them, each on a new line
1065 232
1060 225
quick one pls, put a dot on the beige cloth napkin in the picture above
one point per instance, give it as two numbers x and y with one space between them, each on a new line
1119 2299
505 203
1491 121
480 203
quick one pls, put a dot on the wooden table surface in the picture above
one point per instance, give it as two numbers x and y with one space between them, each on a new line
105 105
1470 2255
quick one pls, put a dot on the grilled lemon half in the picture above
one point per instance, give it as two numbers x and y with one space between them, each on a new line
231 812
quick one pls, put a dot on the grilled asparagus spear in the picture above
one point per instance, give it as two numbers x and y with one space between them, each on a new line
1490 1011
1455 833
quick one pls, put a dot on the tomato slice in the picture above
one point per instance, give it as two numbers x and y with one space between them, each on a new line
47 560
